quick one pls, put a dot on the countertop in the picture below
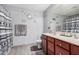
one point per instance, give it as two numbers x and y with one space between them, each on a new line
71 40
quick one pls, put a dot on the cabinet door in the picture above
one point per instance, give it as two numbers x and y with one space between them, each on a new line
50 47
61 51
74 50
44 45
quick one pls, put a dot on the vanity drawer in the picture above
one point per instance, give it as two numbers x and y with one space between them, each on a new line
50 46
62 44
61 51
51 39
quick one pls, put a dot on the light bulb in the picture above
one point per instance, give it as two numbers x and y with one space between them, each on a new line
29 16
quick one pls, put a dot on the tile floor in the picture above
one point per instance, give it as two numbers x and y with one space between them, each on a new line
24 50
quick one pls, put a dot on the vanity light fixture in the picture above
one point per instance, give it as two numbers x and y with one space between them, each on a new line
29 16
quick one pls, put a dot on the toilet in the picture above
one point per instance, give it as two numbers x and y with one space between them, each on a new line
39 43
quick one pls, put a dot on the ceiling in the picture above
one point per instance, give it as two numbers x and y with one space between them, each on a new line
65 9
59 9
34 7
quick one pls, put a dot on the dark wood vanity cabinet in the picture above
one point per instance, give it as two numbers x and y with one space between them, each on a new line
55 46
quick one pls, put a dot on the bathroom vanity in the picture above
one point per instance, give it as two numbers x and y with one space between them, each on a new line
59 45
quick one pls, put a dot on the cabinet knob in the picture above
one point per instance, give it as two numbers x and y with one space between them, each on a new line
60 44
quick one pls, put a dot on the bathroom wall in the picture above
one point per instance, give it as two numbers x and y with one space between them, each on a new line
52 21
34 25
